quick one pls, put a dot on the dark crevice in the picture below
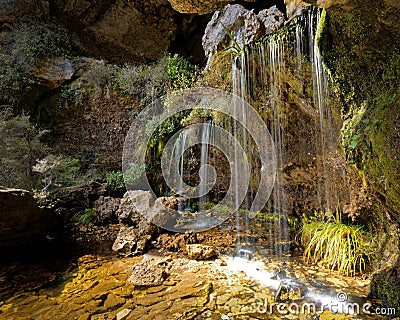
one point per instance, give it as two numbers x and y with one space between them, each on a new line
188 40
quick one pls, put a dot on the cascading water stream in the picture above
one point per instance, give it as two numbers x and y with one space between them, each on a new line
180 158
324 139
322 101
263 66
207 138
240 78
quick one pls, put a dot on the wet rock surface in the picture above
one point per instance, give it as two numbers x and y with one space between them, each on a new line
149 273
161 284
154 286
385 284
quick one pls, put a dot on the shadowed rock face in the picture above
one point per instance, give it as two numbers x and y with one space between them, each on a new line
121 31
22 222
132 31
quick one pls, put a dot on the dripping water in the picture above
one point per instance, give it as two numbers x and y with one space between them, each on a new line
207 139
321 100
265 63
180 158
240 80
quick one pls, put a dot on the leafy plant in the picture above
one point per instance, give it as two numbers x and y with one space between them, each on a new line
35 39
180 71
101 77
235 48
340 246
143 81
70 95
115 180
352 141
158 131
197 115
14 81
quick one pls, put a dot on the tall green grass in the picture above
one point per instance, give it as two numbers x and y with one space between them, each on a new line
339 246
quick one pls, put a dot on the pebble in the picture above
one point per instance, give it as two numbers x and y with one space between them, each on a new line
123 314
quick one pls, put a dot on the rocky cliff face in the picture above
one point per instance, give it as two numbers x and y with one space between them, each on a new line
362 52
361 48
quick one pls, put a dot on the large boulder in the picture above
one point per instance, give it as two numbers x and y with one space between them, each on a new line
53 73
133 241
138 205
209 6
272 19
235 27
77 196
242 24
293 7
106 208
140 215
22 221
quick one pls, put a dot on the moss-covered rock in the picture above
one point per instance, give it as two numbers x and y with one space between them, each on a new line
362 52
385 284
363 56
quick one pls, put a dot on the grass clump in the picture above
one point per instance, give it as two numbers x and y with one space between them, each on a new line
339 246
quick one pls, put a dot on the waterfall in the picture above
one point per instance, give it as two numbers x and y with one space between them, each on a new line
262 68
327 198
180 158
207 137
276 50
